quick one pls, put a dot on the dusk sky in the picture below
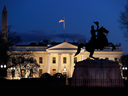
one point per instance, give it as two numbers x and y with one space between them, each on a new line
33 19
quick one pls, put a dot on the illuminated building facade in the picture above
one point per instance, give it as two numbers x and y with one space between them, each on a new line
58 58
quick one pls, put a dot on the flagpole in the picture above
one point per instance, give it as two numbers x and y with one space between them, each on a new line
64 28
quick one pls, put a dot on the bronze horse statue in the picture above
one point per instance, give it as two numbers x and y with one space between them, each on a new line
98 43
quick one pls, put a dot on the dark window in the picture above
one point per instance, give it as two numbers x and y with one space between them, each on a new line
13 59
40 72
22 60
31 73
88 57
13 73
116 59
75 59
40 60
64 59
54 59
31 60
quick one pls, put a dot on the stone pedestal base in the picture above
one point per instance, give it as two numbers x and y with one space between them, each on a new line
97 73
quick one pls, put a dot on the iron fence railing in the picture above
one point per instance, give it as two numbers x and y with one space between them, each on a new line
97 82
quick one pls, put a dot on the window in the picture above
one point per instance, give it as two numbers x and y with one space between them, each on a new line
40 72
116 59
13 59
64 74
31 73
53 72
31 60
22 72
13 73
40 60
54 60
22 59
64 59
88 57
75 59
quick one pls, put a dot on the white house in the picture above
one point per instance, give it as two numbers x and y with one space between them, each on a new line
58 58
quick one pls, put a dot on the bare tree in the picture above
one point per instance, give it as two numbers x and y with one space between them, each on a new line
12 40
25 60
124 20
124 61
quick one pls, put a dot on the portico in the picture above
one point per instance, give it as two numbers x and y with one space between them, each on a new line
64 54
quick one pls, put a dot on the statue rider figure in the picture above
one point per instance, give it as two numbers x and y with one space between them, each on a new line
93 38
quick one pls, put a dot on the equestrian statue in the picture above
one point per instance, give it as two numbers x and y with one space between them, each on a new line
96 42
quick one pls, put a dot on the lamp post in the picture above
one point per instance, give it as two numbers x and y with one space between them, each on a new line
3 71
125 71
13 70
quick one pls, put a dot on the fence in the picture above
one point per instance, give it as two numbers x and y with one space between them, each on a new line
98 82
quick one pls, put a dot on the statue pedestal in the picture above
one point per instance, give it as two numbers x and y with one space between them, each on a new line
97 73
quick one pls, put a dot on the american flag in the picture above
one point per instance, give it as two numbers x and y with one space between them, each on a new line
62 20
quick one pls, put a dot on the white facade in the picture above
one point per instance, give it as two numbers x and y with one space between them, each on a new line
60 58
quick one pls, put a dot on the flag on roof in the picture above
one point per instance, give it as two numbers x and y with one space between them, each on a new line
62 20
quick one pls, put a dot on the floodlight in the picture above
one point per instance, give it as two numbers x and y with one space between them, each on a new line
4 66
1 66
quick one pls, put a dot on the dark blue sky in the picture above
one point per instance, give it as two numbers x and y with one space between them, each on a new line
33 19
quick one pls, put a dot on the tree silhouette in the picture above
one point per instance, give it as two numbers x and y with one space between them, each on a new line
5 47
25 60
123 20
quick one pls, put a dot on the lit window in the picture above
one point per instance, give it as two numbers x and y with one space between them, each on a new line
40 72
75 59
40 60
54 59
64 69
53 72
64 59
31 73
22 72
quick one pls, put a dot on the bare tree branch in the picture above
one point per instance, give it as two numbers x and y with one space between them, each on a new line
124 21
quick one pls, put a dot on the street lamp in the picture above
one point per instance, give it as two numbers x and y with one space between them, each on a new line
124 68
13 71
3 71
12 68
3 66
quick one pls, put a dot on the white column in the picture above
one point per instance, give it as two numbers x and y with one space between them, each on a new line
59 63
82 57
70 74
48 70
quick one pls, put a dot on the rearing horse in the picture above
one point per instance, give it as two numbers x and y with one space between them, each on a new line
99 43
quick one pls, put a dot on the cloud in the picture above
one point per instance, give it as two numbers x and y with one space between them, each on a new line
31 36
38 31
